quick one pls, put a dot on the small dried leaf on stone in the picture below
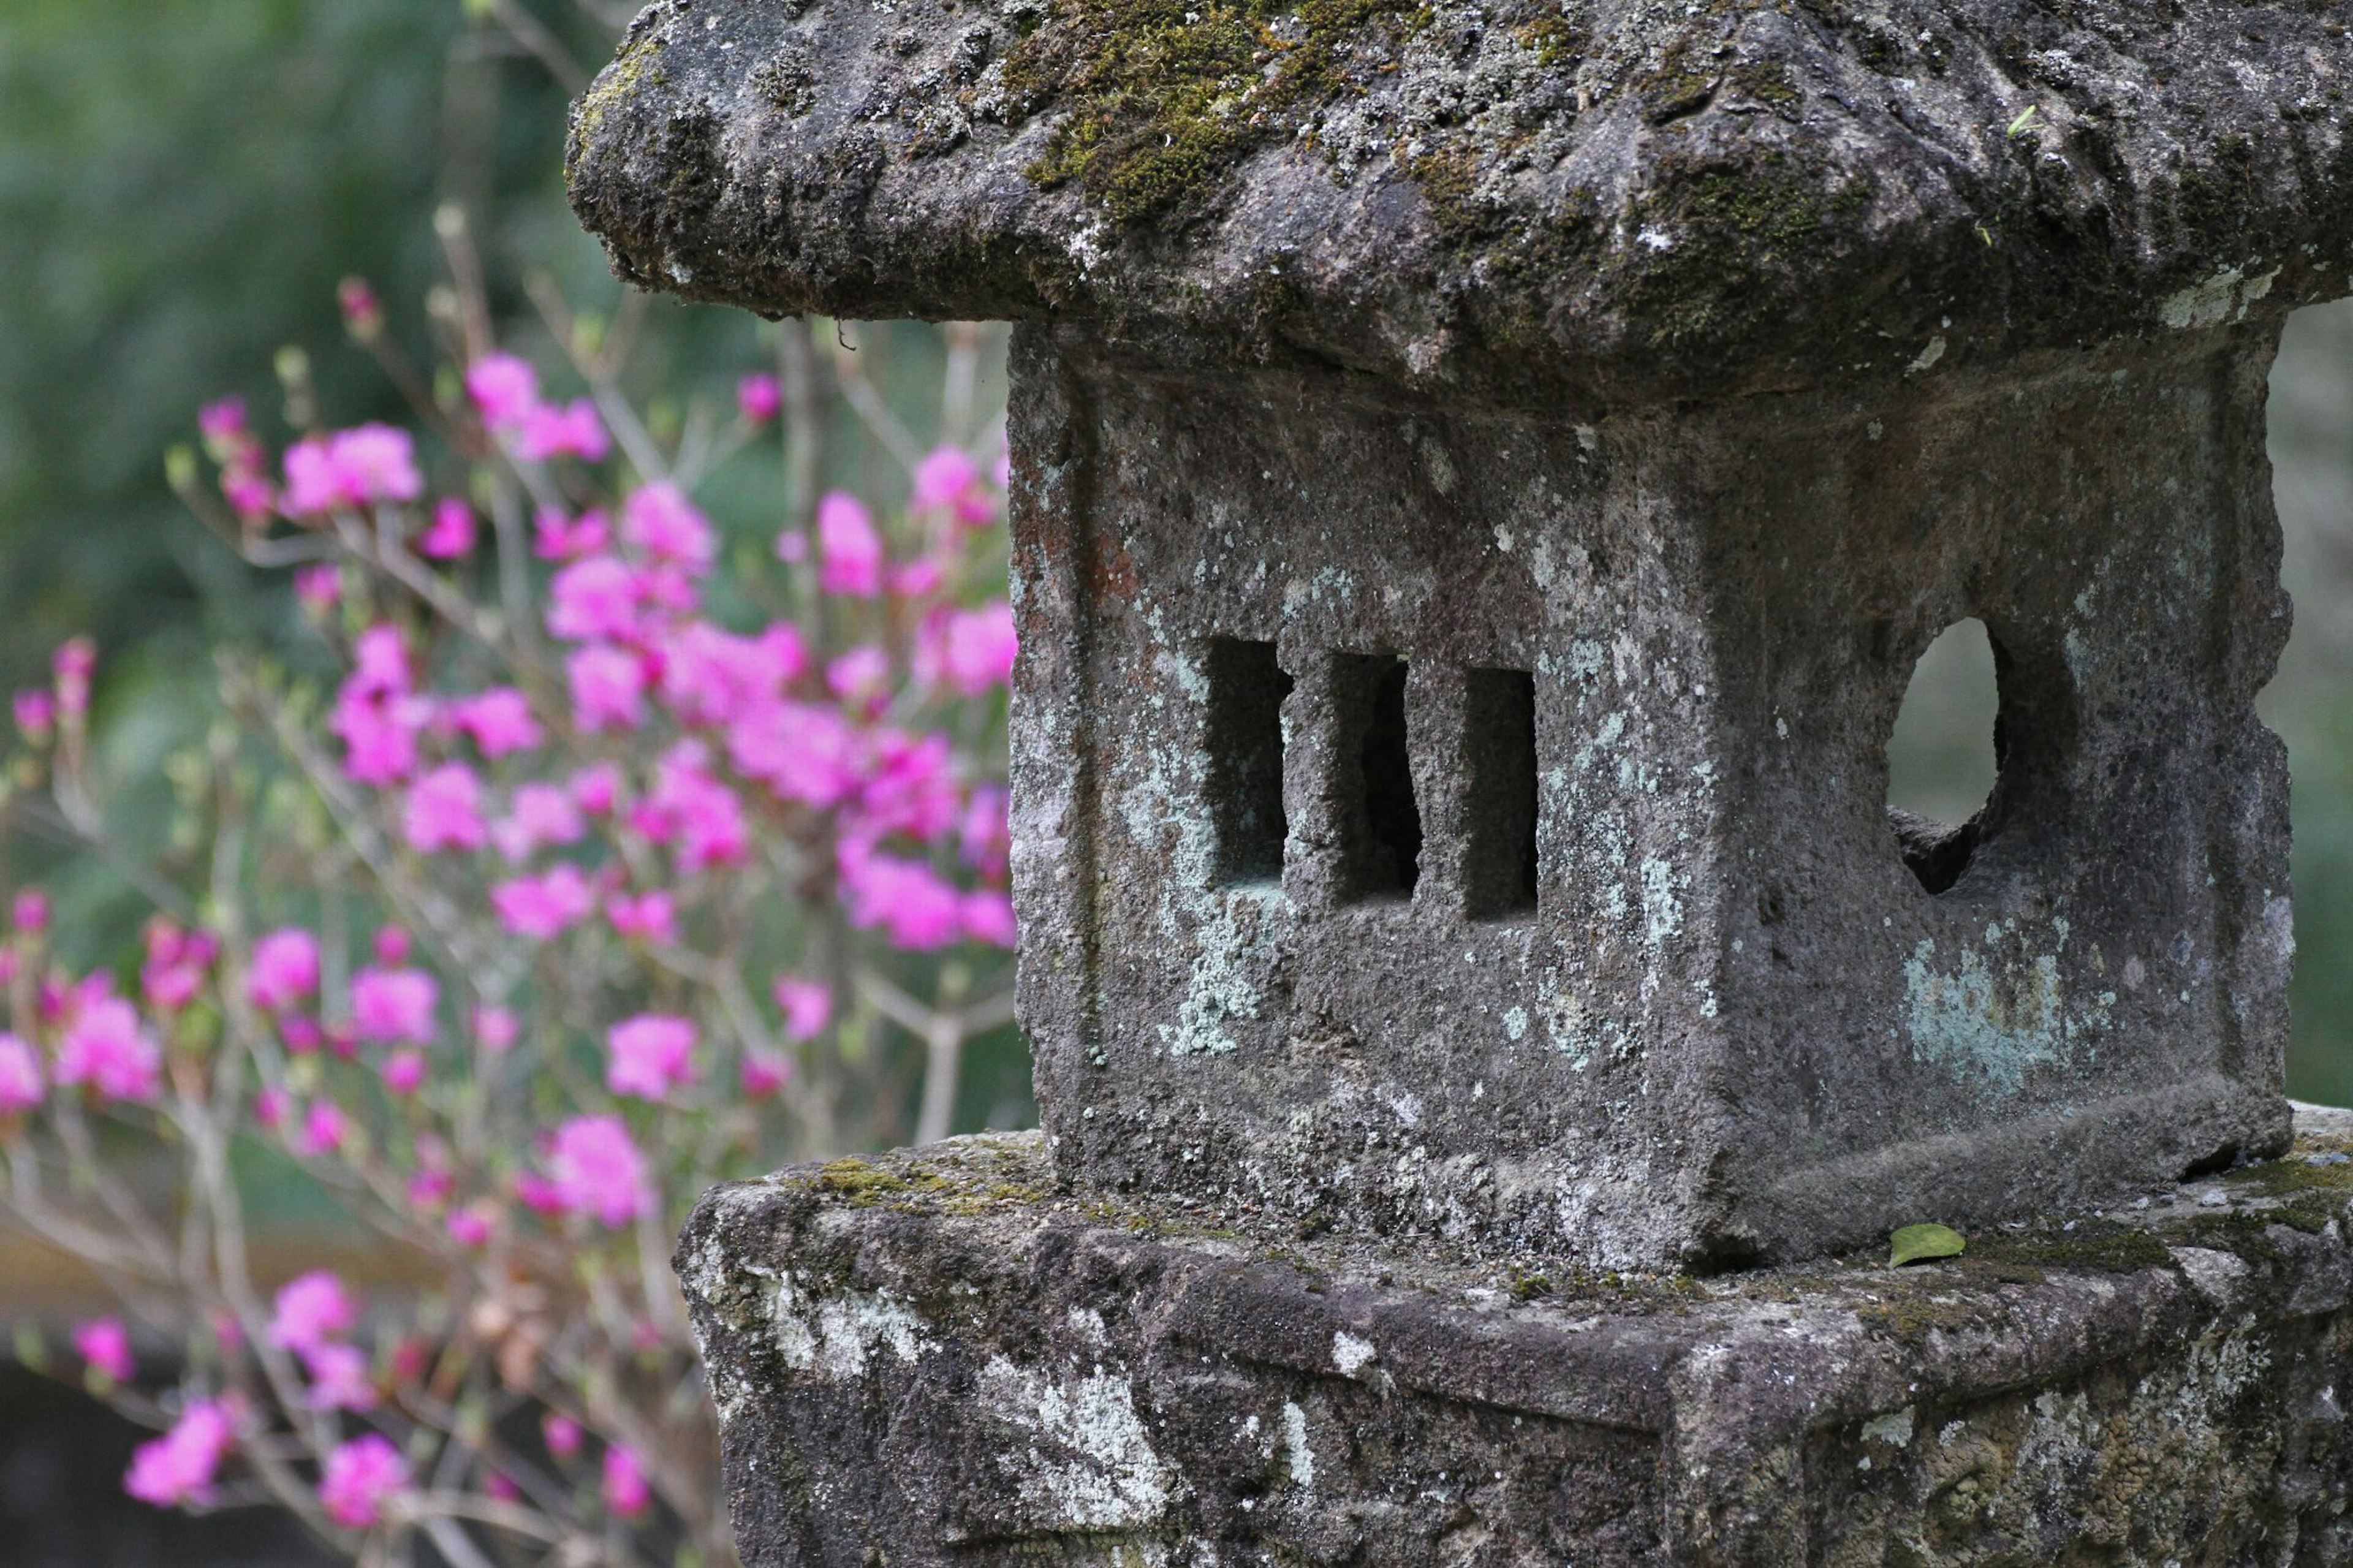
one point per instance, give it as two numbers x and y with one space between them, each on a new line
1917 1243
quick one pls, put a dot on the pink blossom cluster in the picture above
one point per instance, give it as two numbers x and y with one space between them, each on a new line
637 860
756 728
505 392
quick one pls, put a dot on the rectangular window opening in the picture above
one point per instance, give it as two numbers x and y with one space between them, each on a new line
1384 840
1499 870
1245 734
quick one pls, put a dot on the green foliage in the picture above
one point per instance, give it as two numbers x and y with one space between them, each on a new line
1920 1242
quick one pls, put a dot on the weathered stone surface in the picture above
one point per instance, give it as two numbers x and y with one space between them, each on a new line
932 1359
1450 799
1661 987
1598 199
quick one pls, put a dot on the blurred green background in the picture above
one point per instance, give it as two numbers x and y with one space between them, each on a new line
183 182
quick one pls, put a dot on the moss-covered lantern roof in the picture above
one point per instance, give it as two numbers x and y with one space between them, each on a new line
1598 198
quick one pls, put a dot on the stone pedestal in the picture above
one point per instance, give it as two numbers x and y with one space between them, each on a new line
931 1359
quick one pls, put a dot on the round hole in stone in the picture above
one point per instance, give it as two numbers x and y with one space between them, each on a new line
1940 757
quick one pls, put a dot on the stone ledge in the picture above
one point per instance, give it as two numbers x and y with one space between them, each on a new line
933 1357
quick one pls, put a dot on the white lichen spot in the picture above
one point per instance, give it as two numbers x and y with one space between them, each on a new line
2225 297
1297 1457
1094 1468
1515 1023
1655 239
2217 1275
1996 1017
1927 356
1663 911
1895 1428
835 1335
1350 1353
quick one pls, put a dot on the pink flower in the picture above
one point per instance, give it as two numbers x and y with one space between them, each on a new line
651 917
538 1195
555 537
918 578
499 721
379 737
542 814
319 588
105 1047
626 1492
284 969
270 1106
982 834
910 787
359 1478
949 480
552 432
496 1028
29 912
431 1187
393 944
801 751
921 912
36 715
763 1073
472 1225
353 468
71 666
652 1053
860 672
607 689
404 1071
597 788
600 597
711 677
175 966
105 1344
850 552
563 1434
451 534
20 1076
445 811
988 917
310 1310
968 650
704 815
542 907
380 661
178 1467
324 1127
222 420
807 1007
393 1004
759 398
660 520
503 387
595 1169
340 1378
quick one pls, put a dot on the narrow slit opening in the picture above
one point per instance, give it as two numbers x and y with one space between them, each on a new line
1388 847
1499 868
1245 739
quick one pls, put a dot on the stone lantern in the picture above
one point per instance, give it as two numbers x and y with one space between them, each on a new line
1483 475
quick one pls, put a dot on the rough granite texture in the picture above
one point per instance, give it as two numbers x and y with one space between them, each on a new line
1664 987
1606 201
932 1359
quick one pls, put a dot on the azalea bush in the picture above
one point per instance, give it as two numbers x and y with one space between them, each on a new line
588 853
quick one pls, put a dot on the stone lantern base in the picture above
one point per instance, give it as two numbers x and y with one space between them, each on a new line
935 1358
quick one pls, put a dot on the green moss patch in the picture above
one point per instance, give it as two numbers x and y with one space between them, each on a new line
1163 97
